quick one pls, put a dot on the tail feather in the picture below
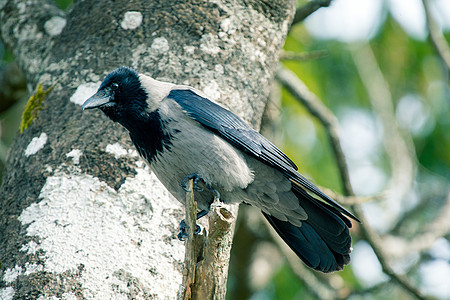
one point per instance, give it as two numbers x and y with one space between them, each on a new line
302 194
329 226
322 241
308 245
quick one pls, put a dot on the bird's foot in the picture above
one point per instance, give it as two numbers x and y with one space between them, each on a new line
182 235
195 186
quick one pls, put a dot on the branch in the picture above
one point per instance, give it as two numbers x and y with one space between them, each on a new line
348 200
194 244
291 55
303 12
369 291
329 121
438 40
424 202
375 242
398 145
212 270
399 247
316 108
207 256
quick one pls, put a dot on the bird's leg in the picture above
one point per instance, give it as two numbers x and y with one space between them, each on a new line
196 178
213 190
183 234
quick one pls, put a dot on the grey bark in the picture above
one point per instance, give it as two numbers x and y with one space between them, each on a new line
80 214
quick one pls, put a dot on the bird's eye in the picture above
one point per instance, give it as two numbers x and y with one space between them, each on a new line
114 86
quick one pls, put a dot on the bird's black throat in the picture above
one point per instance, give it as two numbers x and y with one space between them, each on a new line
149 136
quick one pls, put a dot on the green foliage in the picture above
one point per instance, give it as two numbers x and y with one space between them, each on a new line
63 4
7 56
34 105
285 285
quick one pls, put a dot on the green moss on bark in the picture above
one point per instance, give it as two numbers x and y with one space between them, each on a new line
34 105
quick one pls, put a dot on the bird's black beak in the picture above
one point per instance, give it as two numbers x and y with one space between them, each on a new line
101 98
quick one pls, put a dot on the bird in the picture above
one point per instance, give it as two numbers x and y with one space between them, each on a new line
181 134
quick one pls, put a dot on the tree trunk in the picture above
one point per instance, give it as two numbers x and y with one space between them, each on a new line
80 215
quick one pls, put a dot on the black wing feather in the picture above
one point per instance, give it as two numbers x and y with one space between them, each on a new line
230 126
242 136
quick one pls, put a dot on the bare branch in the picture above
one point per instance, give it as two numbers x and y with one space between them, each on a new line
372 289
375 242
212 270
316 108
398 144
424 202
303 12
291 55
436 37
207 256
399 247
193 244
398 147
347 200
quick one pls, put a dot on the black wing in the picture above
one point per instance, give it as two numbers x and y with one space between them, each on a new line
242 136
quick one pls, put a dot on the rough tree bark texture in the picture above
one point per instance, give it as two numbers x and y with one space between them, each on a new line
80 214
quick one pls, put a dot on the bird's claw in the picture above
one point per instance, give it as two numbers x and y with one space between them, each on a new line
196 178
195 186
182 235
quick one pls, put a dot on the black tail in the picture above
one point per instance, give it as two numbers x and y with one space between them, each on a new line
323 241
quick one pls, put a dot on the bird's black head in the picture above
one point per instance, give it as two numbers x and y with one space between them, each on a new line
120 96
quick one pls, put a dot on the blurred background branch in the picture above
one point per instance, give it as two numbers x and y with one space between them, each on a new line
398 145
291 55
307 9
316 108
437 37
440 227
